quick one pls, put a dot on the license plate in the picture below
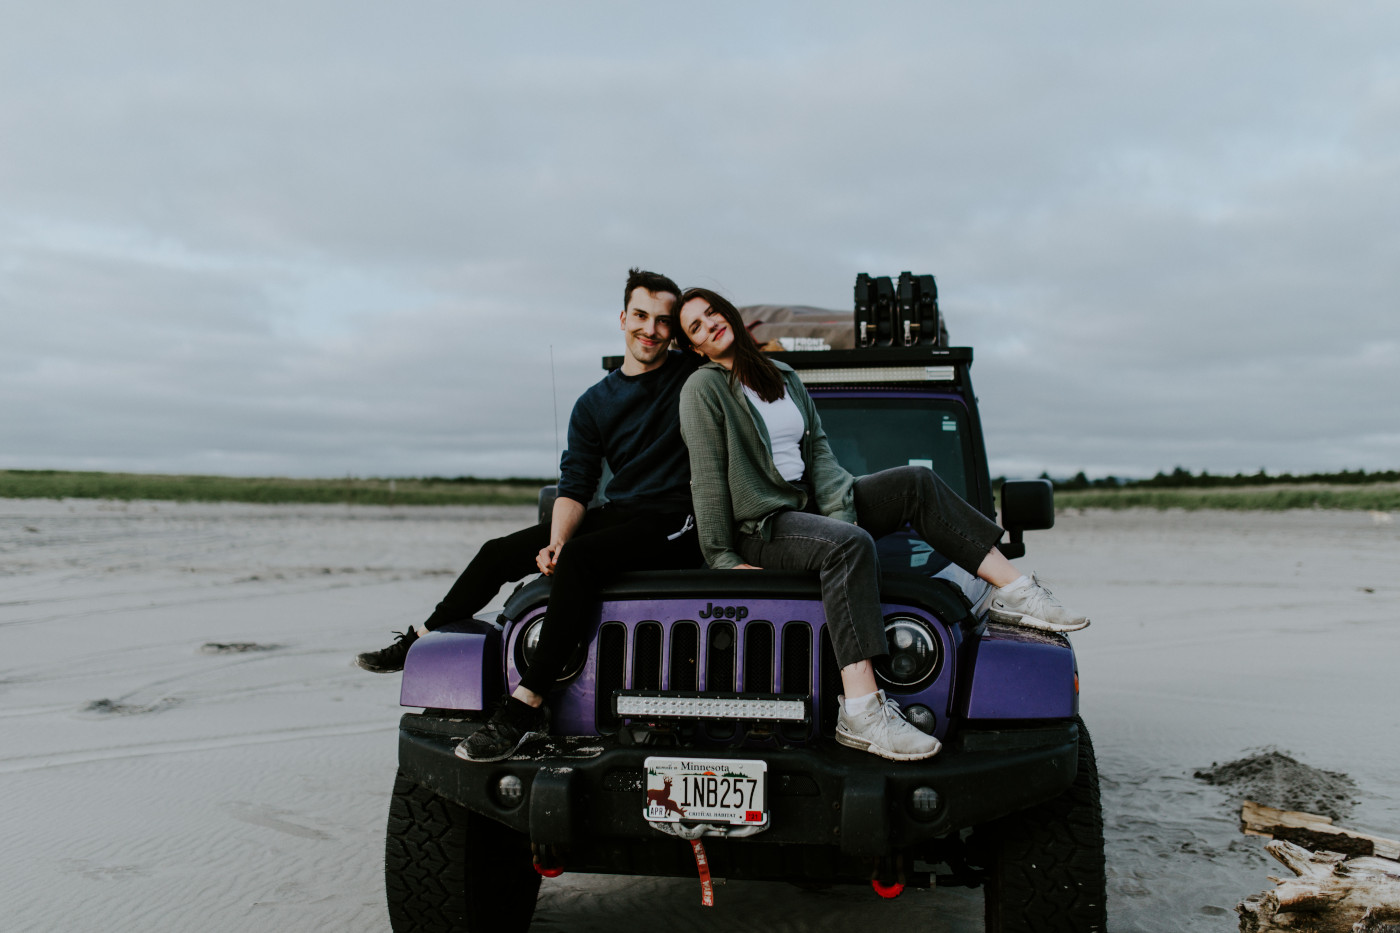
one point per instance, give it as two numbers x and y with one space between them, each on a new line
707 790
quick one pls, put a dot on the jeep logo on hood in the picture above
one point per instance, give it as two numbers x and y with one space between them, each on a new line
711 611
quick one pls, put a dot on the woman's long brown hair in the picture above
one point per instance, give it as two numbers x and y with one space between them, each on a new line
751 367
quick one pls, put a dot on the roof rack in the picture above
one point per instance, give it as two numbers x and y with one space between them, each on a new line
879 364
892 364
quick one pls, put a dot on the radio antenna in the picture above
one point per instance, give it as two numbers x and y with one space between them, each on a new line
554 390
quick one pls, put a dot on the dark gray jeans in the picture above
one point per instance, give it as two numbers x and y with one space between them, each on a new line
844 554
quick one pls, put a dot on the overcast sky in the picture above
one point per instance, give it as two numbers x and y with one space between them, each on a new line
321 239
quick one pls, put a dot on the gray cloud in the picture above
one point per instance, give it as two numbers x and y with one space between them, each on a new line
305 239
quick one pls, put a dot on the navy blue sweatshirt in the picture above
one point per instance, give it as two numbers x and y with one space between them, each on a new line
634 423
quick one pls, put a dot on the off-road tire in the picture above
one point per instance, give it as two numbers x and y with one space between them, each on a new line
449 870
1045 865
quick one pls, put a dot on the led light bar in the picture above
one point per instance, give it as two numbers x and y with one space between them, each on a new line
877 374
640 705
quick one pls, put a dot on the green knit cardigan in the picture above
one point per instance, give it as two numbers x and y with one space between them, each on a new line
733 481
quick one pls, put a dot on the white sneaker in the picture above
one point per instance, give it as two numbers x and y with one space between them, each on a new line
1033 606
883 730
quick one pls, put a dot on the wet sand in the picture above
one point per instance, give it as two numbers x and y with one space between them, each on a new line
155 784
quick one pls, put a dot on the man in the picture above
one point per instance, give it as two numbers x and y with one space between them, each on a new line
630 418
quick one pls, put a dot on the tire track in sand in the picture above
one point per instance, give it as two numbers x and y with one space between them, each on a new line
20 763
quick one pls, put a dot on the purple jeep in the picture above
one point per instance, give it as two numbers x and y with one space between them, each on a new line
705 703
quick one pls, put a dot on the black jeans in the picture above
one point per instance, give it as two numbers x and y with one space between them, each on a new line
609 541
843 555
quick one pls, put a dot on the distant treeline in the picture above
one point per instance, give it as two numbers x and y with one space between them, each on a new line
1376 497
1180 489
1180 478
435 490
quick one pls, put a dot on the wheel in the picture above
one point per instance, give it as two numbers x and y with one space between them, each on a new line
1045 865
449 870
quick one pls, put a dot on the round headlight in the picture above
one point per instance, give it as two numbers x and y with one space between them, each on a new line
914 652
528 642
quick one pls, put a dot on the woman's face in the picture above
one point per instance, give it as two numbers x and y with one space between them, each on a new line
707 329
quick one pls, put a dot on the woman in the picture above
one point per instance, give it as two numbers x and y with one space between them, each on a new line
769 493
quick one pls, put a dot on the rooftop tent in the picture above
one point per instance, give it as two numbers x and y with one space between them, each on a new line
796 327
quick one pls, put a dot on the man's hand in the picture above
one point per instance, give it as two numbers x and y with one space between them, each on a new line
548 555
745 567
563 522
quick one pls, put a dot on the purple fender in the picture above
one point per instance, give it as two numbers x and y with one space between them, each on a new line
1020 673
455 667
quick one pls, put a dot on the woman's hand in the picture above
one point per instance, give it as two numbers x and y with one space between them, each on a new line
745 567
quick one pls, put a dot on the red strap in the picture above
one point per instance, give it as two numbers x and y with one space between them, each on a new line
702 864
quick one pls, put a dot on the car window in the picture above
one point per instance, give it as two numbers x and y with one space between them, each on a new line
875 433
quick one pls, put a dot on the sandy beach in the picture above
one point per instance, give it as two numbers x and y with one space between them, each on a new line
186 745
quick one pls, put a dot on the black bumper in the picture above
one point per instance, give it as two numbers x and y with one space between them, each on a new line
590 788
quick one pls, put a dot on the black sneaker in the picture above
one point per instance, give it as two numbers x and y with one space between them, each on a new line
512 724
390 659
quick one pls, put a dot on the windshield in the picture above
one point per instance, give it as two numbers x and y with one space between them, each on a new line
875 433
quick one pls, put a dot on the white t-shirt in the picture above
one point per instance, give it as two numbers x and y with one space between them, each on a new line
785 430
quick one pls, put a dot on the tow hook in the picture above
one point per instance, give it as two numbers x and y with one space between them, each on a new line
546 860
886 891
892 868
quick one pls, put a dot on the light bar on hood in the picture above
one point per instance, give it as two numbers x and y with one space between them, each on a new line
877 374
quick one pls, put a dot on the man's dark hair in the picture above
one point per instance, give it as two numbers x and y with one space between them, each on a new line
651 281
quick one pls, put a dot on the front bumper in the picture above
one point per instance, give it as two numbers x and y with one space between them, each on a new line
590 788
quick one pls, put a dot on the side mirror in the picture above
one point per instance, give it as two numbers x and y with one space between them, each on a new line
547 496
1026 505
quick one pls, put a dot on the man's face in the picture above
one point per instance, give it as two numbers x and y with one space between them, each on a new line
646 325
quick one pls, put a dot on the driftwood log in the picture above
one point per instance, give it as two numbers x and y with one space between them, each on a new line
1352 891
1312 831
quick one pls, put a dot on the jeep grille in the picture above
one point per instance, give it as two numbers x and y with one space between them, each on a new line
751 656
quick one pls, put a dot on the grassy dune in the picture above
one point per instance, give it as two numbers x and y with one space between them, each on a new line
1380 497
62 484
